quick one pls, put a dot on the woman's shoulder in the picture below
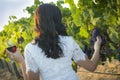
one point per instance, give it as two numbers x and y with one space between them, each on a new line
32 49
66 37
30 45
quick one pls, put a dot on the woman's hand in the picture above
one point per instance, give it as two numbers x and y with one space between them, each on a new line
91 65
97 44
17 56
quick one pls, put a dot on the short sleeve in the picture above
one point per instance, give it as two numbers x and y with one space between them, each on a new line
29 61
78 54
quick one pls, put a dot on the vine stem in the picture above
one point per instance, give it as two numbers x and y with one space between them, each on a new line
101 73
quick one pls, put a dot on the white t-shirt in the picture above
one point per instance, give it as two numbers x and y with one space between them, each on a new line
54 69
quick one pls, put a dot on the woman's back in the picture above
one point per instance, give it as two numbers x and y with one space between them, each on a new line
51 55
53 69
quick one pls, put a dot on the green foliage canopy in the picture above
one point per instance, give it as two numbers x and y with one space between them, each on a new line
79 20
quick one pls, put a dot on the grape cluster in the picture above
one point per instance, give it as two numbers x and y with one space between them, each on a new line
87 51
106 51
95 33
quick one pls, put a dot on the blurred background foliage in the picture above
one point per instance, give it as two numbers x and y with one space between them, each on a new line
80 19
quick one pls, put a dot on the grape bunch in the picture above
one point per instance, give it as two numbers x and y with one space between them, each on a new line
87 51
95 33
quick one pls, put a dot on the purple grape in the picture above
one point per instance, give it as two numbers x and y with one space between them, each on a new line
95 33
87 51
92 45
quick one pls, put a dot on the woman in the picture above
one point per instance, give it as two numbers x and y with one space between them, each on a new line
49 56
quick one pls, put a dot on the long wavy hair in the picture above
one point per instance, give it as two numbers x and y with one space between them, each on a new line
48 20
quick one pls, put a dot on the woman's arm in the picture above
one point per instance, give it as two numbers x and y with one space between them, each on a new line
23 68
92 64
30 75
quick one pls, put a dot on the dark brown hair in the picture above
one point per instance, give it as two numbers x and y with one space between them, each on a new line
48 20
